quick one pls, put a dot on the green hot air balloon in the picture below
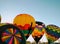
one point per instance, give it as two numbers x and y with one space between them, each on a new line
52 33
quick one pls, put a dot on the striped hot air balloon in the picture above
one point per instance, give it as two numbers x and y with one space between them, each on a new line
52 33
11 34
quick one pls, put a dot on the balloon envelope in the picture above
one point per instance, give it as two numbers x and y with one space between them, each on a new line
38 31
11 34
25 22
52 32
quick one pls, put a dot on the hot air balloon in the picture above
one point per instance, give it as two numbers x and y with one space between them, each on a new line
11 34
38 31
0 18
25 22
52 33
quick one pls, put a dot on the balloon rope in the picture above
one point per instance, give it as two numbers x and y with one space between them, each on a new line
30 28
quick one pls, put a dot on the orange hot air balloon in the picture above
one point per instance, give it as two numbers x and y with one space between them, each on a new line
26 22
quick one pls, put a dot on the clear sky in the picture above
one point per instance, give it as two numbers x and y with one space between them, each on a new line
47 11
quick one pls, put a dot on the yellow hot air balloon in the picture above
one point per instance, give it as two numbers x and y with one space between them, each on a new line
25 22
23 19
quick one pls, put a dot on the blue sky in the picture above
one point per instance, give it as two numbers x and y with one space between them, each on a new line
47 11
